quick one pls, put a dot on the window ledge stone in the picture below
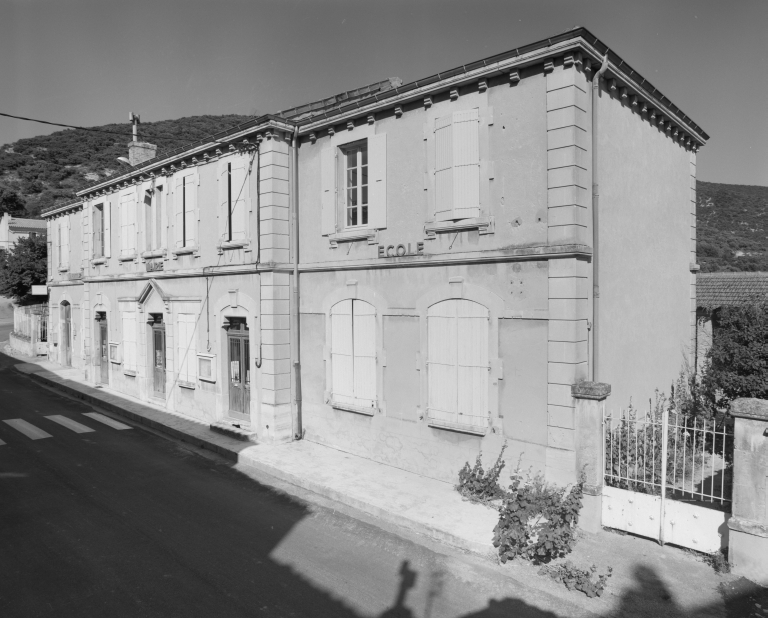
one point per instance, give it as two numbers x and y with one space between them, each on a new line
99 260
475 430
369 234
233 244
129 372
185 384
185 250
155 253
63 269
127 258
484 225
348 407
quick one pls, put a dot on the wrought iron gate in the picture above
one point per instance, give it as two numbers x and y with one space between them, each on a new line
668 477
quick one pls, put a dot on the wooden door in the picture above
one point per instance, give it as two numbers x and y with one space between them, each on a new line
158 361
239 371
66 334
104 352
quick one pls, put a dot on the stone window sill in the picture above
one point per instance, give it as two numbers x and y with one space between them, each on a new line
63 269
475 430
98 260
129 372
155 253
234 244
348 407
185 250
484 225
127 258
185 384
352 235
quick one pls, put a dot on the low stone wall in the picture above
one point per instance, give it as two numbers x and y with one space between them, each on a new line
22 344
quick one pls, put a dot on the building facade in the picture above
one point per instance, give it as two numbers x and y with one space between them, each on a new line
13 228
412 273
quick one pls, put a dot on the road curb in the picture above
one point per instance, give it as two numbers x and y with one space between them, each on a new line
390 517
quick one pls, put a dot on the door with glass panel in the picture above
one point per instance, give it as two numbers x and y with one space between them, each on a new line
158 356
103 351
66 334
239 369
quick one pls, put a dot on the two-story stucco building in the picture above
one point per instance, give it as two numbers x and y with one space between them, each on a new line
12 228
407 272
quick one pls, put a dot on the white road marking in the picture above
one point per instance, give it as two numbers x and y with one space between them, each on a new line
106 420
29 430
69 423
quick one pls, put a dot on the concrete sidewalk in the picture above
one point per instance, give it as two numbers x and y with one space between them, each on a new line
666 580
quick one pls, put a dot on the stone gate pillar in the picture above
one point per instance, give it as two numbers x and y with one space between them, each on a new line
588 423
748 525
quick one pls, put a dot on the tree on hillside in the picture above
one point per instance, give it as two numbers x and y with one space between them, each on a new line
22 267
737 363
11 203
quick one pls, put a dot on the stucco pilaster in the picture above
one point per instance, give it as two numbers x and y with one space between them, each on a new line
274 208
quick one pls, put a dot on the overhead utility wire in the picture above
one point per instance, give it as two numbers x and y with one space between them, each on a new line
70 126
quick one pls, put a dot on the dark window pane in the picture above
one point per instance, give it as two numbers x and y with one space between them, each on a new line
352 216
365 155
365 195
351 159
365 174
352 178
351 197
364 216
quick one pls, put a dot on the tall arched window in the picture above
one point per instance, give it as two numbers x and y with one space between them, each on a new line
353 353
457 362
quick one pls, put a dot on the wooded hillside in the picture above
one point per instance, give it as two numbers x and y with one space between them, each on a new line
39 172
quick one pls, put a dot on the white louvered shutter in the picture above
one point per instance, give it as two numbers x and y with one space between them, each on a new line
466 164
163 194
98 221
187 352
107 228
223 191
441 361
457 362
65 239
328 190
190 208
178 211
239 197
342 366
444 168
377 181
129 340
473 365
364 352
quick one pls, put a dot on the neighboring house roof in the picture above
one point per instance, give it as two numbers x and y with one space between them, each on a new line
715 290
27 225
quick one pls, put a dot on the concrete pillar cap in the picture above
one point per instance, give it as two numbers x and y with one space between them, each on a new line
590 390
749 407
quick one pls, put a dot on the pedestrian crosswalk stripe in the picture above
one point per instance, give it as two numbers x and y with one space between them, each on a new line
69 423
29 430
106 420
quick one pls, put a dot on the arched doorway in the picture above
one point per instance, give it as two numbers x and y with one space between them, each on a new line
65 355
102 347
239 366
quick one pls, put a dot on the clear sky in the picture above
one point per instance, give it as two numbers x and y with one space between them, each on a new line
91 62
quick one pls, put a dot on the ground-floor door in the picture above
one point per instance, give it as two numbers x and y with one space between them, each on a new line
158 360
66 334
239 370
103 352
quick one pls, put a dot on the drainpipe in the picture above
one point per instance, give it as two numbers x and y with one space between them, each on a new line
298 431
595 222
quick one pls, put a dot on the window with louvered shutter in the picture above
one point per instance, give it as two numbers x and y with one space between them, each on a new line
128 224
457 362
129 340
186 348
457 165
353 353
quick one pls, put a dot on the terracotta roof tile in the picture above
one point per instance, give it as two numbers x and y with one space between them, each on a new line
729 289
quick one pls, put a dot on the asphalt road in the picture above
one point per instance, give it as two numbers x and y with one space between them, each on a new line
124 522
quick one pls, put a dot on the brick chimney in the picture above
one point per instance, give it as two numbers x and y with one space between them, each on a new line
138 152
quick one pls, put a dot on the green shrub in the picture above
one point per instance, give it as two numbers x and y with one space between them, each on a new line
477 485
537 521
589 582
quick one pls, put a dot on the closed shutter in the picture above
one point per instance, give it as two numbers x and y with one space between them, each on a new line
187 353
239 198
328 190
129 340
162 203
377 181
364 350
178 211
128 224
444 168
466 164
457 166
190 209
457 362
342 365
223 182
98 214
65 242
107 214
